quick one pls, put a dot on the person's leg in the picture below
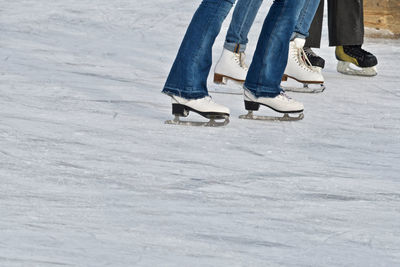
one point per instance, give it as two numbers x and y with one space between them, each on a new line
188 76
242 19
315 31
232 65
270 58
314 38
306 18
262 85
346 32
346 22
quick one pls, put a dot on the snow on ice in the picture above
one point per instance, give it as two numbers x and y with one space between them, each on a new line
90 175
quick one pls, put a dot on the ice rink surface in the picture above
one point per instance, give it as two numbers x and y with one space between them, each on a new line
90 175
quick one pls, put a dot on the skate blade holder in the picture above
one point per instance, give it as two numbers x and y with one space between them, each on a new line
308 88
211 123
285 117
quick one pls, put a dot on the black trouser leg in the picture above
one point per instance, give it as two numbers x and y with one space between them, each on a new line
345 22
314 39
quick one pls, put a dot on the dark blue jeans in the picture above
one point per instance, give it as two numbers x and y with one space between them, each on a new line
242 19
305 19
188 76
270 58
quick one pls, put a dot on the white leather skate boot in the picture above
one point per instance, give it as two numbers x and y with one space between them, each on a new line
205 107
230 66
280 103
298 66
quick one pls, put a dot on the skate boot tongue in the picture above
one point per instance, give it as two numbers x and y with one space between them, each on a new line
299 42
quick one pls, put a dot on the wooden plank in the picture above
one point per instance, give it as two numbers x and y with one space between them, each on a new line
382 18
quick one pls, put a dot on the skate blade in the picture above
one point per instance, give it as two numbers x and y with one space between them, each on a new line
211 123
306 89
286 117
351 69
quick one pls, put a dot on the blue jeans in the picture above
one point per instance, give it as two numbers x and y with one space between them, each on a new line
305 19
243 17
270 58
188 76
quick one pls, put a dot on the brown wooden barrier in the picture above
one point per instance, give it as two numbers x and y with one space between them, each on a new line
382 18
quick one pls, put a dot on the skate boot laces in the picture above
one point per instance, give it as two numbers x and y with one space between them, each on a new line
209 99
300 57
285 97
356 51
240 60
304 57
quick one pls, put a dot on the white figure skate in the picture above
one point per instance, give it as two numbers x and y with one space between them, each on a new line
205 107
300 69
281 103
231 66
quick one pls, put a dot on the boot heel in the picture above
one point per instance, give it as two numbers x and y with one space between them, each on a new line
251 105
284 78
179 110
219 79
